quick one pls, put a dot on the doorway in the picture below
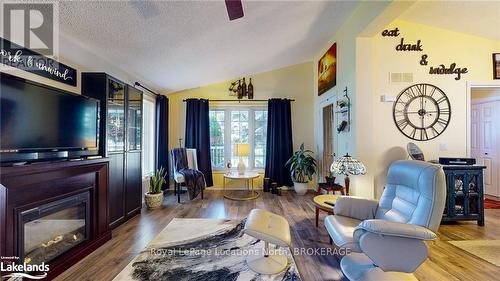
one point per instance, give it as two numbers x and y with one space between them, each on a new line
327 143
485 136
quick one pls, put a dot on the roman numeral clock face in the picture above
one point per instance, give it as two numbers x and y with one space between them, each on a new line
422 112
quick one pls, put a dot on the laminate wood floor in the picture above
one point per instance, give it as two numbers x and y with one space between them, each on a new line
446 262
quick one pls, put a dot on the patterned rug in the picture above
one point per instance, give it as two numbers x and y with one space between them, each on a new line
201 250
491 204
485 249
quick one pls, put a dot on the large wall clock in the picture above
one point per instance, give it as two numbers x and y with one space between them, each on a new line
422 112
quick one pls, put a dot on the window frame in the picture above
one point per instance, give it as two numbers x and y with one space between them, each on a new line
227 133
151 99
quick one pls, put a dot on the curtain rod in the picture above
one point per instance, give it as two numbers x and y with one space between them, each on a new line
237 100
146 88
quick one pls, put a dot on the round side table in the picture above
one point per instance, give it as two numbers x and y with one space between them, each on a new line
248 177
320 204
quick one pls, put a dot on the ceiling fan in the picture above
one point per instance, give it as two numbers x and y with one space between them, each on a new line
234 9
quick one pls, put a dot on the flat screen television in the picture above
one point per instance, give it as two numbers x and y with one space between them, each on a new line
40 123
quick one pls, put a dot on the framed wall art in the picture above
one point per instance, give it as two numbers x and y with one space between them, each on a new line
496 66
327 70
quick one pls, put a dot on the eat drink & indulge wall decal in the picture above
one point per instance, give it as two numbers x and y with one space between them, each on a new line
441 69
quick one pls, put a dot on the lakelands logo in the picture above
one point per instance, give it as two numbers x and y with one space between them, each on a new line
23 270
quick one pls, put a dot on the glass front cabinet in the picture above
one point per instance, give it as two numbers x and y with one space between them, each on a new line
120 132
464 198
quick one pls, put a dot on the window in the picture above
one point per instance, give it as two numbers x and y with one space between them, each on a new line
148 135
231 126
217 138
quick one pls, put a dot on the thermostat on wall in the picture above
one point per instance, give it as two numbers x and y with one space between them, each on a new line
387 98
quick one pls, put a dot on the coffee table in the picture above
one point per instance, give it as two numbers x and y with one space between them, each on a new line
319 202
248 177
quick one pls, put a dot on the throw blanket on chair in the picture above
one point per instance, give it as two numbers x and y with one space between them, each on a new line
194 179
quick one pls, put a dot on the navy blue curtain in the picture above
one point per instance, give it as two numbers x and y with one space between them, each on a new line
198 135
161 144
279 141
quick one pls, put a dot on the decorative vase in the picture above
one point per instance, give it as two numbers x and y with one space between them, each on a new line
250 90
244 88
240 90
241 167
274 188
153 201
267 184
300 187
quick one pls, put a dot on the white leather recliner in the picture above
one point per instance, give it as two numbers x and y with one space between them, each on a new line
387 237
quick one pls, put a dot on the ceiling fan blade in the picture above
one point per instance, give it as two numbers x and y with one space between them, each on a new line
234 9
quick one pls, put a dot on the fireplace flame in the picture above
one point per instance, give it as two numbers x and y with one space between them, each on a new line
56 240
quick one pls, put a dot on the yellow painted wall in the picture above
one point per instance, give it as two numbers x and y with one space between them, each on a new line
294 82
386 144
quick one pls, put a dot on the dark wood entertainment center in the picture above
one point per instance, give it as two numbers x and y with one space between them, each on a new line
36 189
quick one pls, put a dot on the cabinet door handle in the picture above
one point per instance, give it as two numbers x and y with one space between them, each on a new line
486 153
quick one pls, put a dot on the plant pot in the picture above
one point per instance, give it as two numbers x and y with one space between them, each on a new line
300 187
153 201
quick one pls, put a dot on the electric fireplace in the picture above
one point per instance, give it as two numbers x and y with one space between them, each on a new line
53 213
48 231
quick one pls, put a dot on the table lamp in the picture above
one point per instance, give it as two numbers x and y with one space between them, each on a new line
242 150
346 165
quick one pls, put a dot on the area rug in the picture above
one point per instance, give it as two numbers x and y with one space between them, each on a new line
487 250
491 204
201 250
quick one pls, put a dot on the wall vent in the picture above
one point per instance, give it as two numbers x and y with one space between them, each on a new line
403 77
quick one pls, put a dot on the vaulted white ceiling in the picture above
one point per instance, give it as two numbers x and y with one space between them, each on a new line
480 18
177 45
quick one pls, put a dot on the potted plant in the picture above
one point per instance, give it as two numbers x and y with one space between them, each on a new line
302 168
154 198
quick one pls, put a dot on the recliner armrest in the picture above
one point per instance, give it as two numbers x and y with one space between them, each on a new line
389 228
355 207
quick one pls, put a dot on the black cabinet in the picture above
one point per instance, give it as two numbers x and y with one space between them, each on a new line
121 141
464 193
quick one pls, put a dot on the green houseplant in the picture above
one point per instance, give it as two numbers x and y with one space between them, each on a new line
154 197
302 168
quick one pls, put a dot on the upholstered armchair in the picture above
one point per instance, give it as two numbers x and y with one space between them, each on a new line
179 180
386 237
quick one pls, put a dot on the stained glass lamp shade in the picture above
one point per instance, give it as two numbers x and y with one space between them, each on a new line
346 165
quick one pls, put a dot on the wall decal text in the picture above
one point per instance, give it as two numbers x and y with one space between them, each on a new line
417 47
25 59
391 33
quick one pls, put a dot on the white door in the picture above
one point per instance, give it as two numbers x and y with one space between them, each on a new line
484 142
